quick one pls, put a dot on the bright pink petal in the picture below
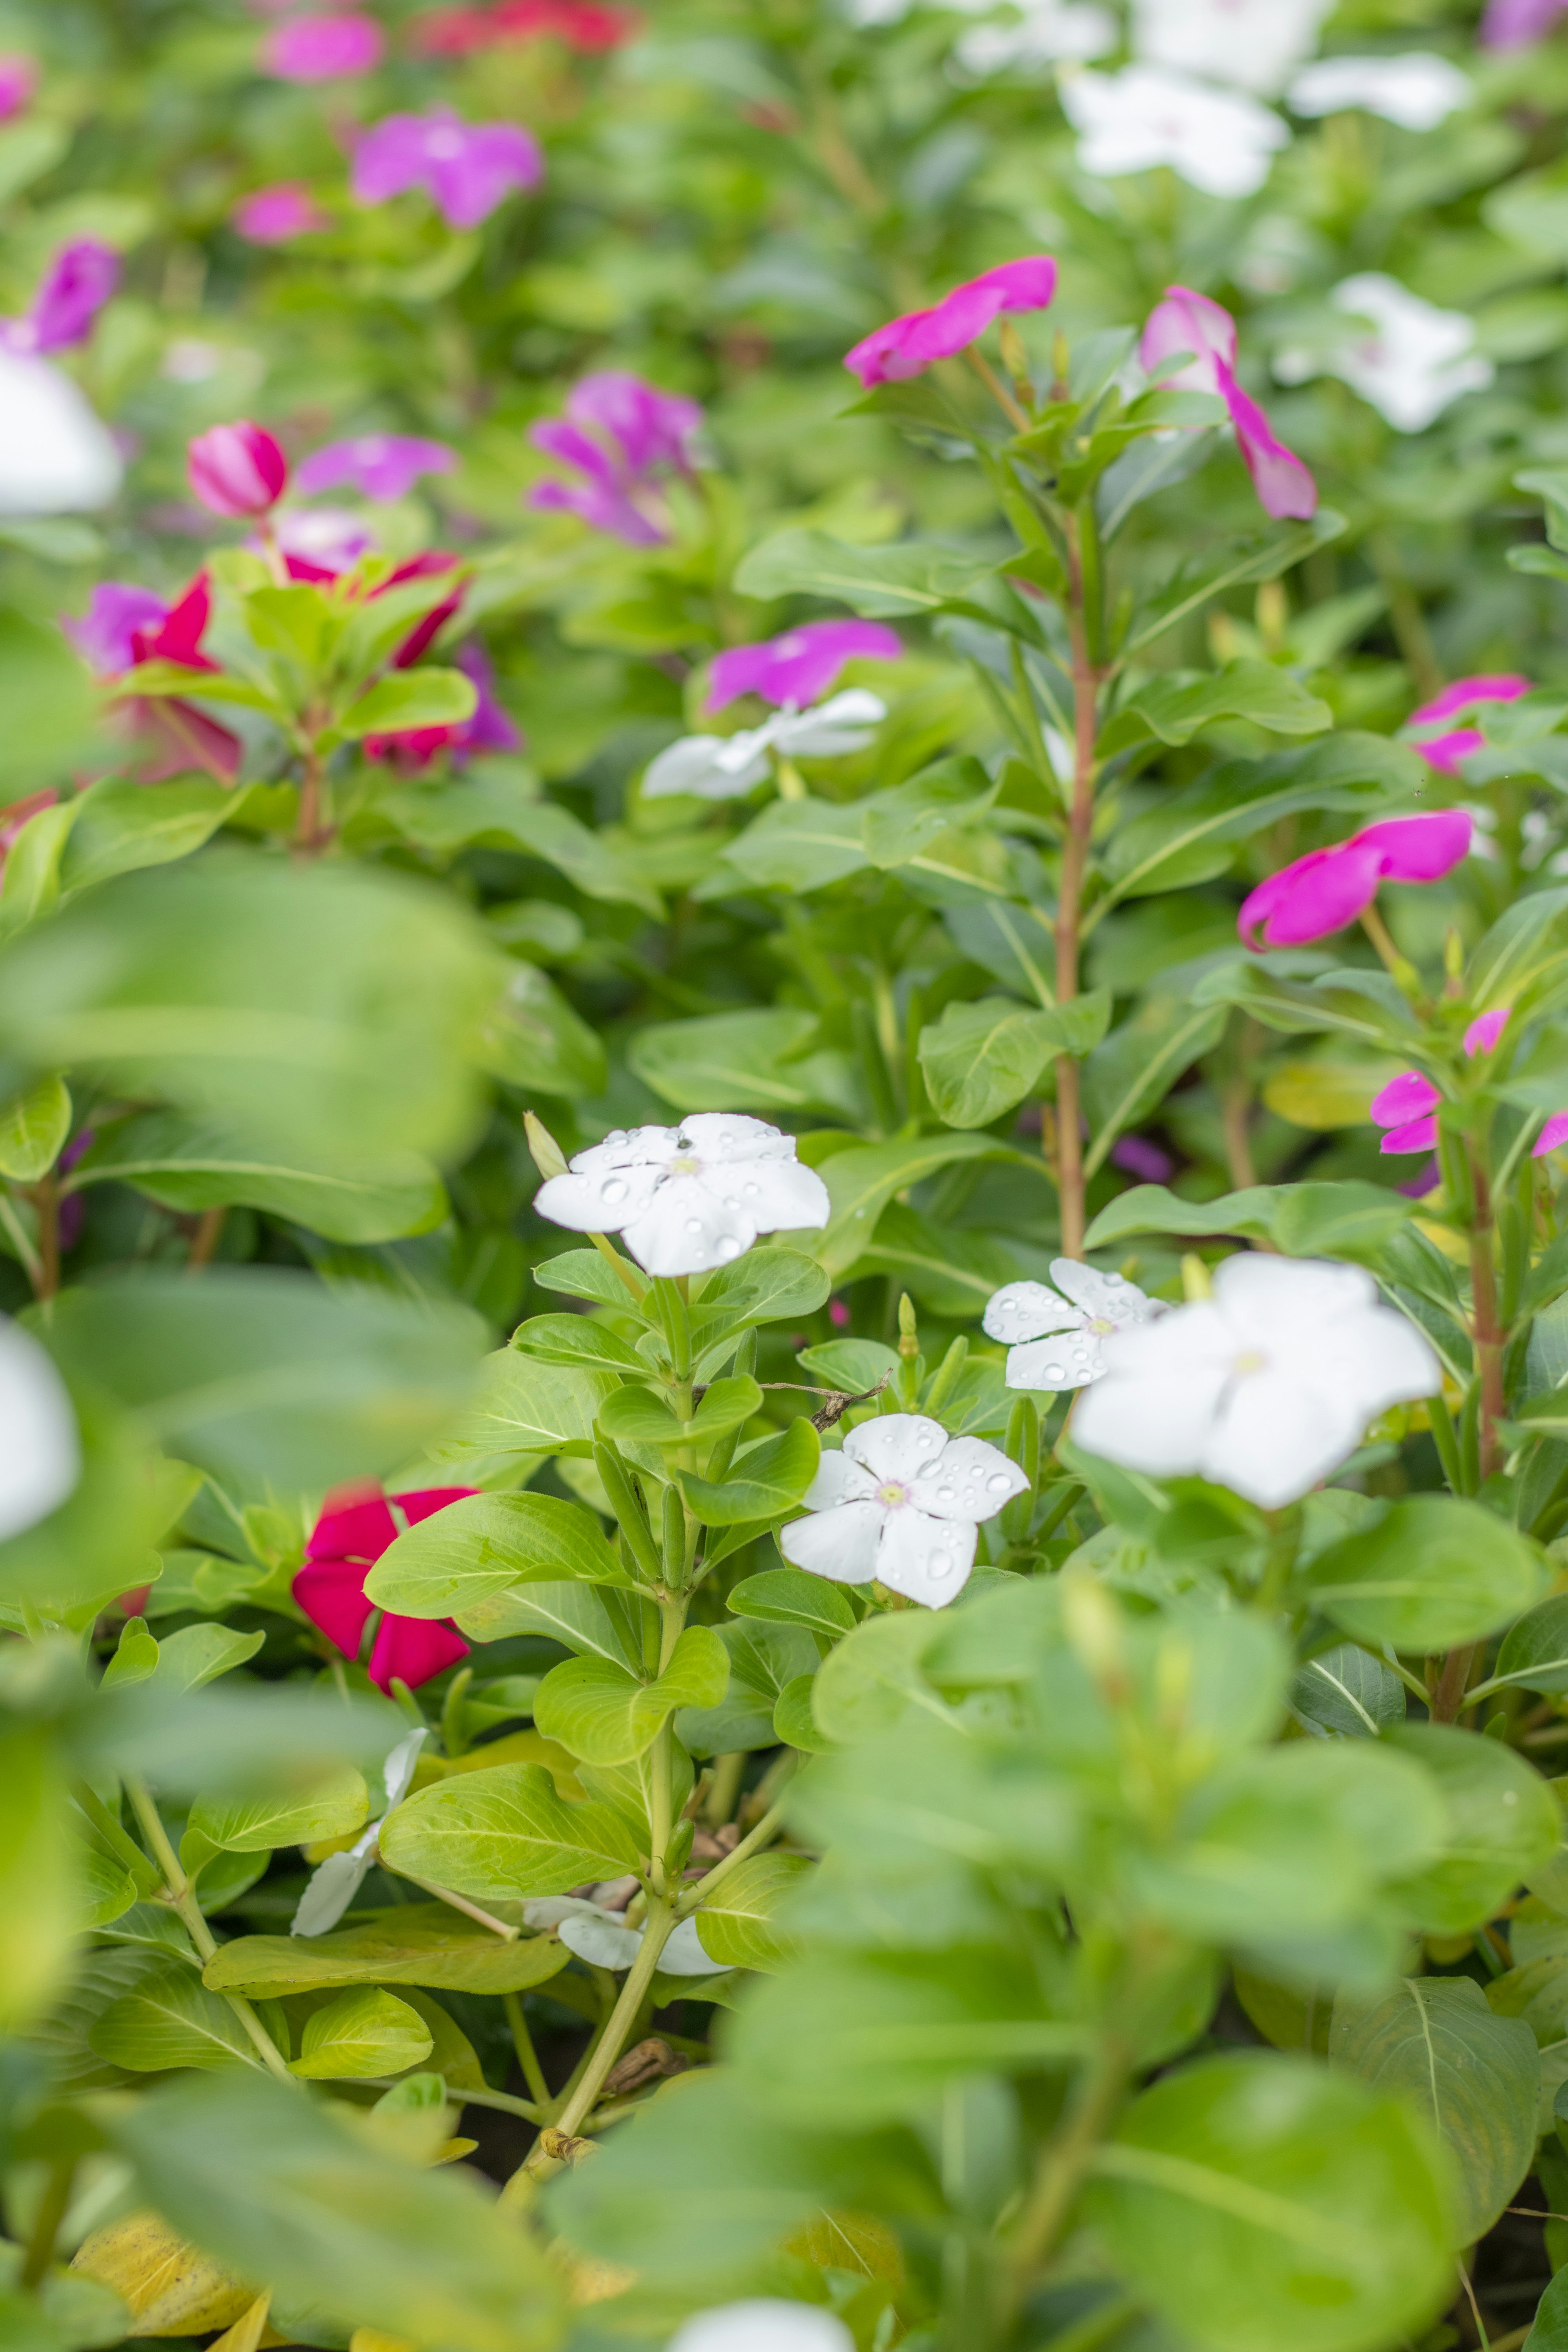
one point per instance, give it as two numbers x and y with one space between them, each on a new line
1483 1033
323 48
1447 749
1405 1097
800 666
1552 1135
1421 1135
332 1594
1319 894
907 346
1185 322
237 469
1285 486
354 1531
425 1501
1416 848
178 636
412 1649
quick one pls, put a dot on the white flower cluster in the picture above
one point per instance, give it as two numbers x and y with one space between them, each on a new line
722 767
690 1197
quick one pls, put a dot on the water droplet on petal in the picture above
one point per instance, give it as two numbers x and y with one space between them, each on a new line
944 1494
728 1246
998 1483
925 1438
694 1224
612 1192
1055 1372
749 1191
731 1203
940 1563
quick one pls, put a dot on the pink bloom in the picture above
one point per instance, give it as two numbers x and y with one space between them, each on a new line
1185 322
320 542
908 346
75 288
425 630
1327 888
1484 1032
1445 750
353 1530
237 469
383 466
322 48
1514 24
467 168
18 81
620 432
582 24
491 727
1406 1100
275 215
1552 1135
1141 1157
797 669
106 634
125 625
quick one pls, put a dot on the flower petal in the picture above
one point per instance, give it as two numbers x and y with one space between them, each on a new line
1104 1297
332 1594
1158 1421
683 1954
971 1481
925 1558
1416 1134
412 1649
839 1479
840 1543
425 1501
727 1135
687 1228
1027 1311
600 1201
774 1195
1552 1135
329 1891
1054 1366
1278 1436
397 1771
1407 1097
602 1943
896 1444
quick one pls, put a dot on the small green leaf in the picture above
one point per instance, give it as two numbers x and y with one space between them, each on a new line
1502 1823
637 1416
425 1944
359 2033
503 1831
980 1059
332 1809
408 699
34 1126
485 1544
1434 1573
737 1923
171 2019
605 1716
767 1480
787 1596
578 1341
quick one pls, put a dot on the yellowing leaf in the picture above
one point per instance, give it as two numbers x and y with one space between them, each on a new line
170 2289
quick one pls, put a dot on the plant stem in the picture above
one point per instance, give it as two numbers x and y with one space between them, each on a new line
1063 2163
461 1903
46 2225
1086 681
767 1829
31 1265
1489 1338
997 389
181 1893
522 2043
1448 1698
47 1201
205 1240
656 1935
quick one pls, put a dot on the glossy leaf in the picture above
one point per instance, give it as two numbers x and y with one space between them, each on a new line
503 1831
413 1944
482 1545
361 2034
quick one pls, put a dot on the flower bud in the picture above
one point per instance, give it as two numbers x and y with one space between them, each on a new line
237 469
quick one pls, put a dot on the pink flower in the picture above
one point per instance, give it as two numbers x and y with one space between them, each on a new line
467 168
18 81
237 469
355 1527
1444 750
1409 1103
490 727
908 346
1514 24
1483 1033
322 48
582 24
319 542
123 625
1327 888
1141 1157
797 669
620 432
1552 1135
1185 322
275 215
118 611
383 466
75 288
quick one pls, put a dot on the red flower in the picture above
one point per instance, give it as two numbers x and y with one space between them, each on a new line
237 469
353 1530
585 25
181 736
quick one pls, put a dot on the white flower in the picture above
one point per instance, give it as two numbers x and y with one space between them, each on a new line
1061 1337
1250 43
55 455
1415 361
40 1452
602 1938
763 2325
332 1887
1417 90
902 1503
690 1197
721 767
1144 116
1264 1388
1042 33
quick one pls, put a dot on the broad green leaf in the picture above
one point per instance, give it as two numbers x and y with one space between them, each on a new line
578 1340
1178 705
1138 1063
1257 2199
1475 2077
34 1126
50 707
767 1285
122 827
637 1416
1503 1821
1433 1574
980 1059
30 879
1015 943
752 1061
738 1924
880 582
413 1944
860 1183
603 1713
38 1902
1550 2331
283 1817
545 830
764 1659
798 846
189 1164
484 1545
1534 1653
172 2020
197 1654
1347 1218
767 1480
1346 1694
534 1040
275 2184
361 2034
900 825
522 1408
1264 555
407 699
596 1621
787 1596
502 1832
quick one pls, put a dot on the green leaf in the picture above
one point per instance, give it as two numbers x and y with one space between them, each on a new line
596 1621
1138 1063
1534 1653
197 1654
119 829
484 1545
523 1408
503 1831
1177 706
407 699
767 1480
738 1923
1474 2076
274 2184
578 1340
1261 2200
361 2034
804 844
980 1059
413 1944
901 823
860 1183
787 1596
38 1901
190 1164
30 880
635 1416
255 1824
768 1284
1347 1693
741 1061
1550 2331
879 583
171 2019
1503 1821
605 1715
1434 1573
1262 556
51 717
534 1040
34 1126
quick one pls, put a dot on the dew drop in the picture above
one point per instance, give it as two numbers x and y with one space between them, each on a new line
925 1438
1055 1372
694 1224
612 1192
998 1483
944 1494
941 1563
730 1203
728 1246
749 1191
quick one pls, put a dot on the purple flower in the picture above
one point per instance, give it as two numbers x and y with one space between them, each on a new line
1185 322
18 81
323 48
1142 1159
106 634
1514 24
75 286
275 215
908 346
793 670
617 432
488 728
383 466
467 168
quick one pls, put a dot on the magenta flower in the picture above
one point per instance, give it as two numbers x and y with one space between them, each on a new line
18 81
908 346
323 48
1552 1135
1445 750
619 434
344 1545
1408 1105
1327 888
383 466
106 634
75 288
467 168
237 469
1514 24
1141 1157
123 625
797 669
490 727
1185 322
275 215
